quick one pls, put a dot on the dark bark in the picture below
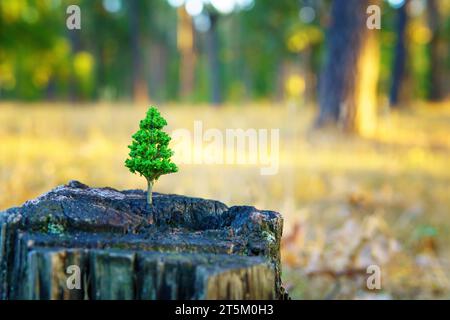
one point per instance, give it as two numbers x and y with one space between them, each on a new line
398 68
195 249
212 49
344 41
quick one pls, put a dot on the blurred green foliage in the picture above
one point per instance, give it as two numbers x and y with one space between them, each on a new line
259 48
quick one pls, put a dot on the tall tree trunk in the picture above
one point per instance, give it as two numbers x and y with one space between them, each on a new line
75 43
365 109
185 39
437 48
349 77
398 68
158 76
139 85
212 48
308 75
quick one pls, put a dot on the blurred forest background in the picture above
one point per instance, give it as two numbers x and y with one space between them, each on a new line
364 119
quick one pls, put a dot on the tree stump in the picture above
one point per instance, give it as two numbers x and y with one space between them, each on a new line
192 248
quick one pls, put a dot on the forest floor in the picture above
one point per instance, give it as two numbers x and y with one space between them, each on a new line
348 202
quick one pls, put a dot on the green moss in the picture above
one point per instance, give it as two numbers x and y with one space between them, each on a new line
51 226
269 237
55 228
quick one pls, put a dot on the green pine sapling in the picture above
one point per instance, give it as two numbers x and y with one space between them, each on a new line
149 151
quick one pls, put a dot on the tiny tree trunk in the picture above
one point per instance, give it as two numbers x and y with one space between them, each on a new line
149 193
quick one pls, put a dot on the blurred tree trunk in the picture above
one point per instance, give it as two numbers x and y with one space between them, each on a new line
75 44
400 56
437 48
139 85
212 49
158 64
308 72
185 41
280 80
99 53
50 92
349 78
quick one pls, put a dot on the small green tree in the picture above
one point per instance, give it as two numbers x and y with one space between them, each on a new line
149 152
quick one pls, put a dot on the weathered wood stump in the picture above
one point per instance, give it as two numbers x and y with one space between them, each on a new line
194 248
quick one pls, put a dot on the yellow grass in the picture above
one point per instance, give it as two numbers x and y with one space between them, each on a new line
353 201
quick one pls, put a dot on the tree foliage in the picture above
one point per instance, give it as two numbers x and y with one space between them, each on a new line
149 152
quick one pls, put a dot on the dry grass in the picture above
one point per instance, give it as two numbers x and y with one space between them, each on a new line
348 202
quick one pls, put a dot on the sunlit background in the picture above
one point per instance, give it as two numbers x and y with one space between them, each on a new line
362 180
